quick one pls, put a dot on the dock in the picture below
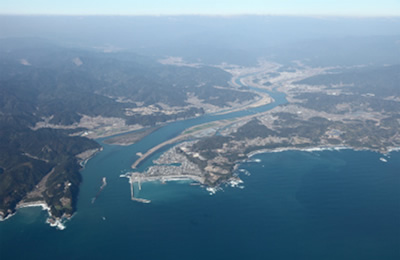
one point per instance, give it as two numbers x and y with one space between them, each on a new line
135 177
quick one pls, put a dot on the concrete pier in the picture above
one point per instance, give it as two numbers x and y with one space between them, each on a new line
132 180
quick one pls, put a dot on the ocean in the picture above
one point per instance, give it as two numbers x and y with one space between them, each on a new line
294 205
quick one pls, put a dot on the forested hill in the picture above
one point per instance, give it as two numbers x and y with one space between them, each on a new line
40 80
84 82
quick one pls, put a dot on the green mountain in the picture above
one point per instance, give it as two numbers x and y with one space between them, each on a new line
40 80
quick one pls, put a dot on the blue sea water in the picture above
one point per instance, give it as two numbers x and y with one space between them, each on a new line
295 205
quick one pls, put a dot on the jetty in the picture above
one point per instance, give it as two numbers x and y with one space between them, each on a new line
135 177
189 132
156 148
104 180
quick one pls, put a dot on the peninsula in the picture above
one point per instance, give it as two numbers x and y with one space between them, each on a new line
324 110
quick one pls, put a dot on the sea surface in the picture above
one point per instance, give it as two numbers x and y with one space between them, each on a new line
294 205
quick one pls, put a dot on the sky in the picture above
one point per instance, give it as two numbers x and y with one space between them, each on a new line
202 7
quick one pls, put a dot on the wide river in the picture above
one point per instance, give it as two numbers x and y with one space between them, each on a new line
295 205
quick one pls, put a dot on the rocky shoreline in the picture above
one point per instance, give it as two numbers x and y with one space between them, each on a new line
53 221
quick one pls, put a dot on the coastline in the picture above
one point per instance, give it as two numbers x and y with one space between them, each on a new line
85 156
58 223
321 148
235 176
163 179
7 217
310 149
394 149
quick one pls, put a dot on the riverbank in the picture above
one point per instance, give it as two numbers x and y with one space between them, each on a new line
130 138
84 157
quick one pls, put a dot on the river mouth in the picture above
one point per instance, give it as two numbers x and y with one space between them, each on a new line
174 129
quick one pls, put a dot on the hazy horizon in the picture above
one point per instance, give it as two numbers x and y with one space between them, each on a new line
216 39
212 15
355 8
